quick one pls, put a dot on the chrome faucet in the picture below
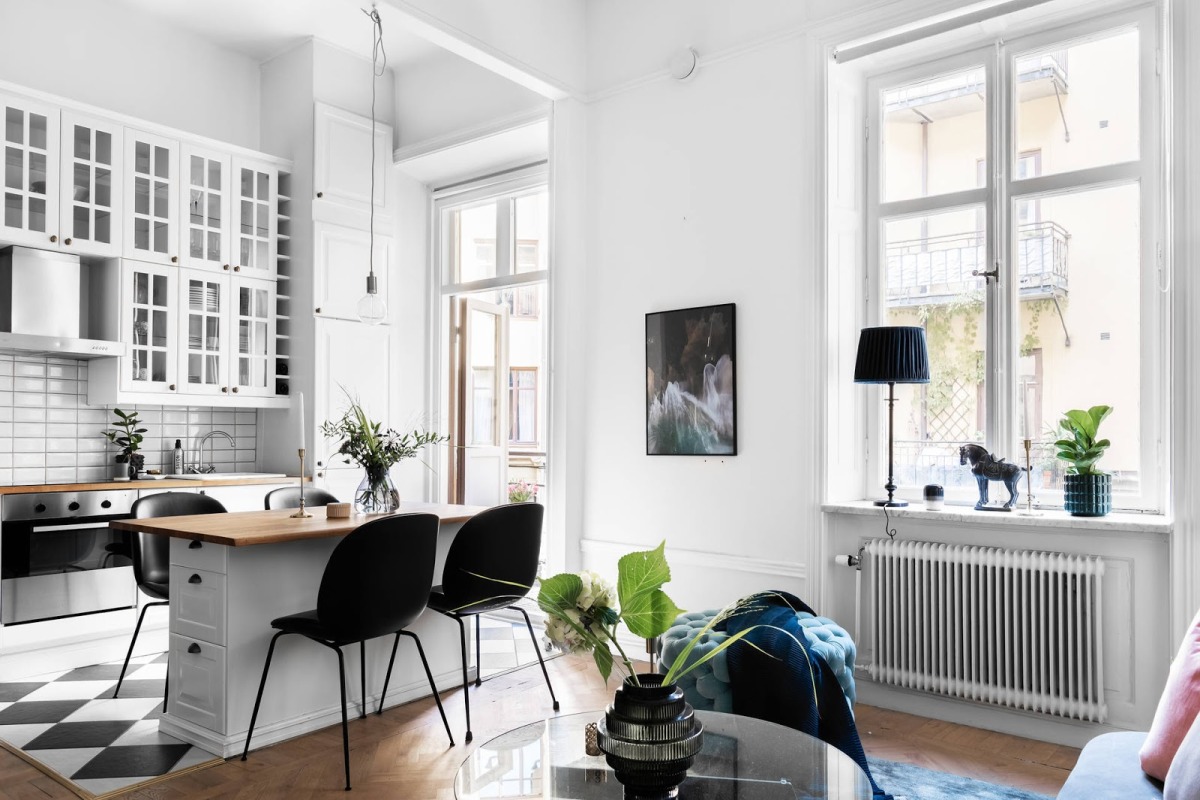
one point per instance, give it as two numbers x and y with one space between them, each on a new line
199 467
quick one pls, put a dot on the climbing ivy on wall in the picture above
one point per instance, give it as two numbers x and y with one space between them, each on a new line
955 358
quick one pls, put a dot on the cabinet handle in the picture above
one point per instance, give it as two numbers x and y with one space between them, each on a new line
67 241
320 474
195 544
194 579
174 259
171 387
320 463
320 194
235 390
237 269
193 648
225 267
318 309
225 389
53 239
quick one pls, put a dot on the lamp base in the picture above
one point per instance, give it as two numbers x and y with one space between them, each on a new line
892 503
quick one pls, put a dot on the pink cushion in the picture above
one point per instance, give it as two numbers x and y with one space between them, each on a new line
1177 708
1183 779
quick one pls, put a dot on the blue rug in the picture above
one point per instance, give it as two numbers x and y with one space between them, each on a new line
908 782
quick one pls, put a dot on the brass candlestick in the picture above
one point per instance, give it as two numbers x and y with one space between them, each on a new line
301 513
1029 512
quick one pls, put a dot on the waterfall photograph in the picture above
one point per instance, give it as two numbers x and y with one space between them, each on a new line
691 407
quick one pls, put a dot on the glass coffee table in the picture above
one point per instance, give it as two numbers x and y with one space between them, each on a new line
743 758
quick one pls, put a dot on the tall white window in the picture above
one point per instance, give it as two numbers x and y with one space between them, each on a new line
1013 211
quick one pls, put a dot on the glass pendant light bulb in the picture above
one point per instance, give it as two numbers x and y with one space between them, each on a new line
371 308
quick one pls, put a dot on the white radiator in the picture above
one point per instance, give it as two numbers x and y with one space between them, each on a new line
1015 628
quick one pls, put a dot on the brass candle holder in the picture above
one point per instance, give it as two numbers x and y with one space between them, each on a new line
1028 510
301 513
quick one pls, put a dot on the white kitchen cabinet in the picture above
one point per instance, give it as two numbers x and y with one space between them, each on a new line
205 199
255 217
227 335
253 323
340 265
342 164
31 172
91 191
151 197
149 326
196 674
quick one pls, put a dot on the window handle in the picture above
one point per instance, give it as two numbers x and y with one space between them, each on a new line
993 274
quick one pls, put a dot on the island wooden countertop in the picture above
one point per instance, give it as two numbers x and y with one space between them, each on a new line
244 528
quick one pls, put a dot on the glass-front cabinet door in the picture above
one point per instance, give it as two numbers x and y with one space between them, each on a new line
255 224
30 172
254 329
152 198
148 303
205 200
203 302
91 187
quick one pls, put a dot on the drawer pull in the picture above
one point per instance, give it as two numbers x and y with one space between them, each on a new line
193 648
195 544
194 579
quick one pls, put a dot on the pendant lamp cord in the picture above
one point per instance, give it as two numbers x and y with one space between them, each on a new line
378 67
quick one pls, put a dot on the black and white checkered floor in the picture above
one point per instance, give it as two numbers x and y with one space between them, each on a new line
69 722
505 645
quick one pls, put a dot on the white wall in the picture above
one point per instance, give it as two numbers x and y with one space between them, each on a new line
701 193
446 94
102 53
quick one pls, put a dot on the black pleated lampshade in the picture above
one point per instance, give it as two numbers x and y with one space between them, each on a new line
892 354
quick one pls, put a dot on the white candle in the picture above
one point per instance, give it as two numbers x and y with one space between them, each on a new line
1028 412
300 396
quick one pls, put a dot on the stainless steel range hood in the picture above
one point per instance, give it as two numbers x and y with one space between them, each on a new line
44 308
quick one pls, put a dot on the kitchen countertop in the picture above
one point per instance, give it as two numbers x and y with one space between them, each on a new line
165 483
243 528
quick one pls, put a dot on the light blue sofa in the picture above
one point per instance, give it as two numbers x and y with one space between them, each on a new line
1109 767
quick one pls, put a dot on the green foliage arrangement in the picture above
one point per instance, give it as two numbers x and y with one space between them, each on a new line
127 436
1079 446
366 443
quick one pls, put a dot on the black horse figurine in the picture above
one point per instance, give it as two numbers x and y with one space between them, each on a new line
986 467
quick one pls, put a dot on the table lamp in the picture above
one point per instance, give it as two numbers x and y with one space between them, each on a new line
891 355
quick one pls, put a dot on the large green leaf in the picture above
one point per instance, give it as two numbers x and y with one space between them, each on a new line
604 660
1082 422
646 609
559 592
1098 415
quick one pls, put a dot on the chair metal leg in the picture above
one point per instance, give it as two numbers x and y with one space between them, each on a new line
261 685
478 653
462 629
133 642
345 723
429 676
167 683
538 650
362 670
388 676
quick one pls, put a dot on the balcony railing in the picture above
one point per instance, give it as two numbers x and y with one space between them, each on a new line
937 269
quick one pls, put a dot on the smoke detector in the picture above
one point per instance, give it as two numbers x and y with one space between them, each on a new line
683 64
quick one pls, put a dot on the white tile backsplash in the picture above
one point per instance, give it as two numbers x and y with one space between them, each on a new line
49 434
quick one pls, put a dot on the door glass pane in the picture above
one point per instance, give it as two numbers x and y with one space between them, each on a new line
160 237
37 214
83 180
83 143
531 228
476 246
141 196
141 288
162 162
195 207
37 173
214 246
482 372
141 158
195 368
197 172
195 243
1080 324
103 187
259 346
214 175
141 233
160 199
158 331
12 210
1079 103
104 148
934 132
160 291
247 217
14 125
264 186
14 167
80 219
103 227
37 131
214 210
158 359
929 284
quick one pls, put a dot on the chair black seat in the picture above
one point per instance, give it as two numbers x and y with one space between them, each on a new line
159 591
439 602
289 497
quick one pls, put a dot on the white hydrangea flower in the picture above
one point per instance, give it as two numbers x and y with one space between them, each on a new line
596 592
562 634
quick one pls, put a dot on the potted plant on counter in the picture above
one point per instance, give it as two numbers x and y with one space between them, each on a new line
376 450
1087 492
128 436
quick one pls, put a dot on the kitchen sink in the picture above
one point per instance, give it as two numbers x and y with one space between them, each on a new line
222 476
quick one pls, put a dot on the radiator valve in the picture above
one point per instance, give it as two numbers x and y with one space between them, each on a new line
846 560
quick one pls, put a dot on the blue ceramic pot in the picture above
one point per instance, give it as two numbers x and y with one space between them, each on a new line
1087 495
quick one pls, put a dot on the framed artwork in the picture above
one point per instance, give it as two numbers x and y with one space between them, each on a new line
691 397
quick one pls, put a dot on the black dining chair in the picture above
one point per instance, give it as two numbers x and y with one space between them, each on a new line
289 497
376 583
151 554
491 566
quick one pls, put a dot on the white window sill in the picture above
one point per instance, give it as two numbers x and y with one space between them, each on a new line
1125 523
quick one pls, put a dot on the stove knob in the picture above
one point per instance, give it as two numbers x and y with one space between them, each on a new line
106 503
39 508
73 506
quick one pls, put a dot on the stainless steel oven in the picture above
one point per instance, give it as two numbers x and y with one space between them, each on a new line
59 558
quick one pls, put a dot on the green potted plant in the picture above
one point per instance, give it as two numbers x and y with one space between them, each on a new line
128 436
1087 492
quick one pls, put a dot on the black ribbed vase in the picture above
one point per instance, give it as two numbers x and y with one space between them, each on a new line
650 736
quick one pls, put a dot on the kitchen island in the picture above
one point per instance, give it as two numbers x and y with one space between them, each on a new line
231 574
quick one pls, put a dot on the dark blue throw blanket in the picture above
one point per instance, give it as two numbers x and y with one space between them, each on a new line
779 689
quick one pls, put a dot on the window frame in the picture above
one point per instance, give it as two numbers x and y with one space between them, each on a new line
515 390
998 199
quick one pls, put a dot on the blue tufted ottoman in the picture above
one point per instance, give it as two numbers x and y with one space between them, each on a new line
707 687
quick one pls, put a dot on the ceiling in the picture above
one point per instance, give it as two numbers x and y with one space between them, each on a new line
262 29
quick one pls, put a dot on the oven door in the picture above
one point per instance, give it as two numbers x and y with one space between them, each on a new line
59 570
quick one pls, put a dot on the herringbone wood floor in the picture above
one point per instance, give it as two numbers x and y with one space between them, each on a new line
403 754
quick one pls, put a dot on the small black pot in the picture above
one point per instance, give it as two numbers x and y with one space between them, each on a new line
650 736
1087 495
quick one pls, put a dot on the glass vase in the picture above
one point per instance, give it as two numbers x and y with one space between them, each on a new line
376 493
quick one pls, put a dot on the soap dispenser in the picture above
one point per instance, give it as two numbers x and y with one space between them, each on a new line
178 457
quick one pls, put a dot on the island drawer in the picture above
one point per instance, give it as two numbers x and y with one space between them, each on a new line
196 672
196 554
198 604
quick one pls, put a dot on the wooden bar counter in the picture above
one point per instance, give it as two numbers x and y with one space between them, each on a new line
231 574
